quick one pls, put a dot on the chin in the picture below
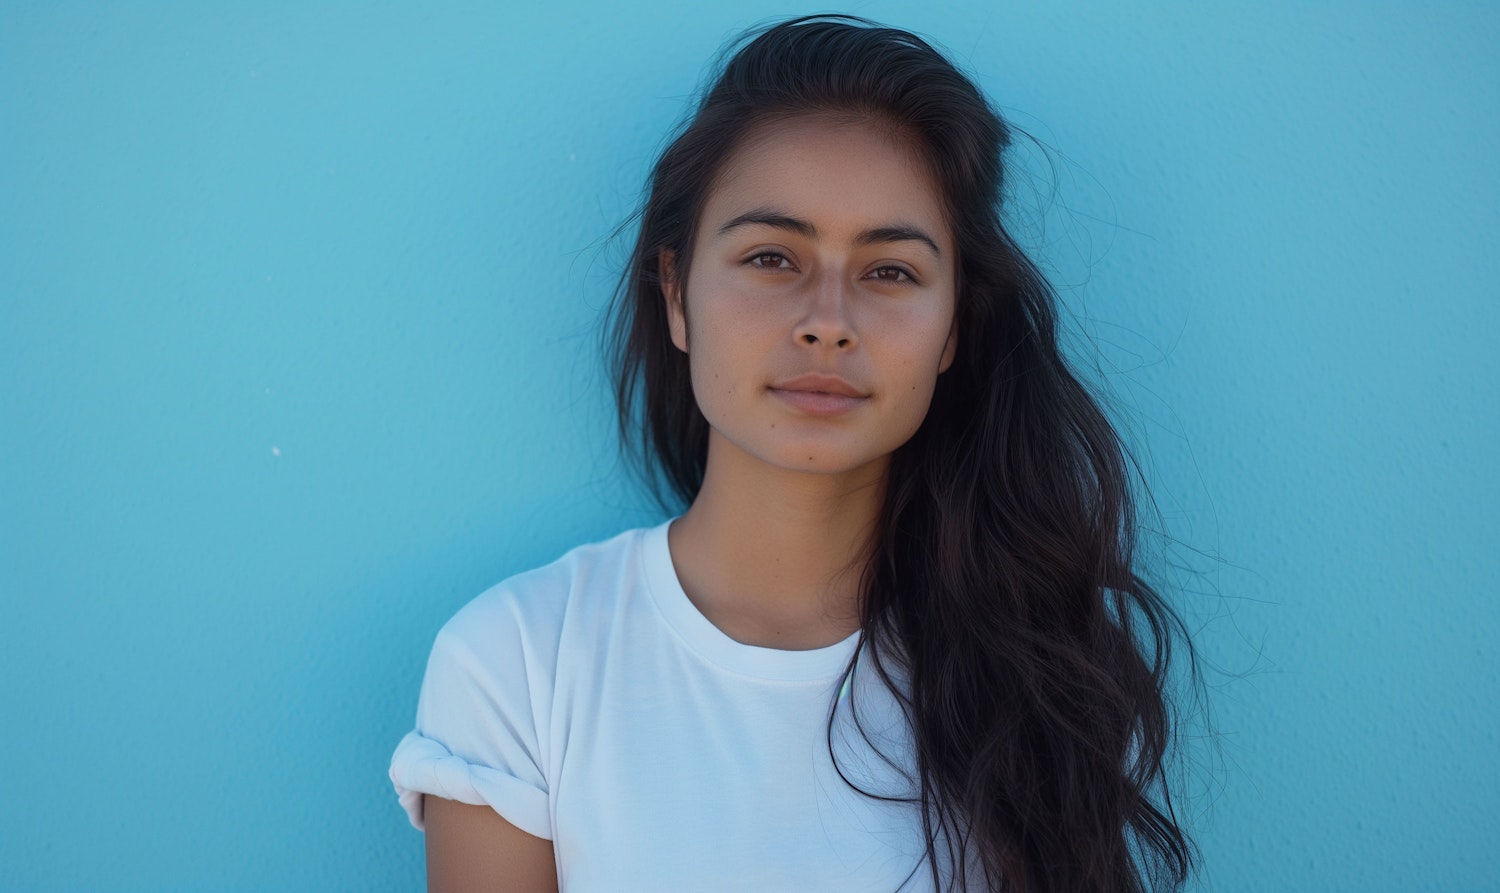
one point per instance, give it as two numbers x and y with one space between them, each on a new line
822 452
822 460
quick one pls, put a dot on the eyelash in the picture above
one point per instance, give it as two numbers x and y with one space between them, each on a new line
909 280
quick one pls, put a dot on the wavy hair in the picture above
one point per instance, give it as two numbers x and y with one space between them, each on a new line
1003 590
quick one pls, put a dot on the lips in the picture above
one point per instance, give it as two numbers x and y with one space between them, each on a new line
819 383
820 395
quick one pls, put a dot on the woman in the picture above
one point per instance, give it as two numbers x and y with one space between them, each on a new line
897 640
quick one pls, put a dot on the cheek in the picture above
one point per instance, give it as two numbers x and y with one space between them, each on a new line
922 339
920 362
717 362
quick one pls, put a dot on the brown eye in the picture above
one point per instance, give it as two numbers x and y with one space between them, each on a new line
894 274
768 260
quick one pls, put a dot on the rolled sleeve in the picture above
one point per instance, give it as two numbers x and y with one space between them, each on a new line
476 738
424 766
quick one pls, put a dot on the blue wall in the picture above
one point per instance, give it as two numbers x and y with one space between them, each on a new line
297 355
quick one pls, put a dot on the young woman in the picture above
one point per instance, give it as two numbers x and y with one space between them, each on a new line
898 639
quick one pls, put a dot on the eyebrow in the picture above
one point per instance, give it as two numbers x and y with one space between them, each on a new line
896 232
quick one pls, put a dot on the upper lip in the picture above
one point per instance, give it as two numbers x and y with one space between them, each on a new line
820 383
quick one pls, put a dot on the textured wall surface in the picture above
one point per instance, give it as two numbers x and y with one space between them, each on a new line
297 354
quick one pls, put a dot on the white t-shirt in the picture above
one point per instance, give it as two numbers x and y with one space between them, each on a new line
590 702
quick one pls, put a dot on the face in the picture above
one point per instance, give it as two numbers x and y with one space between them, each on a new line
818 309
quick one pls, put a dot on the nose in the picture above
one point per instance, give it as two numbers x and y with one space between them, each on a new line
825 319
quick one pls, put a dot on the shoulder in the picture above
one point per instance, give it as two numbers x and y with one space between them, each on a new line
530 611
502 656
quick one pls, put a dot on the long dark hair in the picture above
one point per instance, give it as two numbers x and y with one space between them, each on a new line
1004 589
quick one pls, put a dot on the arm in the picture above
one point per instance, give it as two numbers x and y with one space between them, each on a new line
471 848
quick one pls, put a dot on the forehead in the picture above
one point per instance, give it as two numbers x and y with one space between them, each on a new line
844 175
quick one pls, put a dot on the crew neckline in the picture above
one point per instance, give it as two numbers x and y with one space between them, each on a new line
715 645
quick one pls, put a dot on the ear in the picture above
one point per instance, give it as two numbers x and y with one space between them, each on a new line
950 348
671 292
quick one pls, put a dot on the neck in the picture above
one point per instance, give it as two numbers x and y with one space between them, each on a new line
774 557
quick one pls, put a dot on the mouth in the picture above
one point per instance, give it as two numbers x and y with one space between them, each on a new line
819 383
820 395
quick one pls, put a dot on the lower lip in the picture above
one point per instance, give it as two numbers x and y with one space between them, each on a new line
818 402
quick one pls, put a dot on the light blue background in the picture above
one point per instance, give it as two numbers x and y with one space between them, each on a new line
296 356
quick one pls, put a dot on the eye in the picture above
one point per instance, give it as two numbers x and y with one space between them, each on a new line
889 273
769 260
